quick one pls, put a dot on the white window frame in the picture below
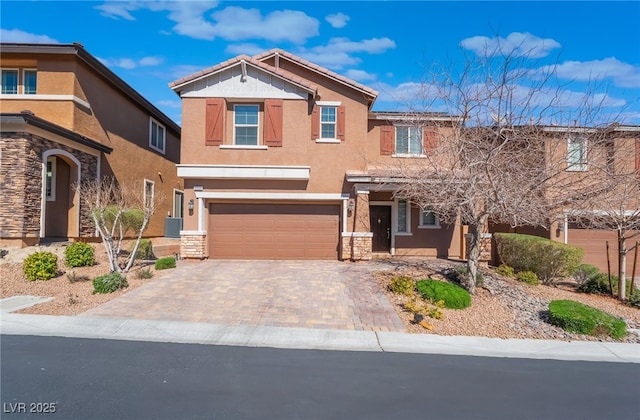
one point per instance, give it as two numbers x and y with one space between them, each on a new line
54 164
17 71
328 104
256 125
581 165
408 153
154 125
396 218
423 225
144 191
24 81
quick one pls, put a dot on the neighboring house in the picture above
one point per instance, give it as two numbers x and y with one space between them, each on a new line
66 118
613 154
275 152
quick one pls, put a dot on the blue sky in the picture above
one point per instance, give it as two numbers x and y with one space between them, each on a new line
384 45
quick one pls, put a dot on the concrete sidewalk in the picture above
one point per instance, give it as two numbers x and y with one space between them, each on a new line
301 338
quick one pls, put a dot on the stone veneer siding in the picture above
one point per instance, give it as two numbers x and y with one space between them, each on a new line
193 246
356 248
485 248
21 184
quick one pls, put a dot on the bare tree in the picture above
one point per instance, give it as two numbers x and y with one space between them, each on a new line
118 211
501 159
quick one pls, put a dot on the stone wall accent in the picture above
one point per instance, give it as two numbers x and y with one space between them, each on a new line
356 246
485 248
193 245
21 184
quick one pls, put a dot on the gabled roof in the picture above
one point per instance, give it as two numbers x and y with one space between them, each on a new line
78 50
276 52
28 118
239 60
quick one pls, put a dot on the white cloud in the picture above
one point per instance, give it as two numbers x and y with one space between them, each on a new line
130 63
249 49
338 53
622 74
337 20
522 44
18 36
236 23
360 75
232 23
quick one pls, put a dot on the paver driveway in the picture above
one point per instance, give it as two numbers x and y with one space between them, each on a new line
308 294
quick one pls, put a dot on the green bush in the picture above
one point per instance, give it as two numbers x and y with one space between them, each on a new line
130 219
109 283
597 284
505 270
40 266
144 273
578 318
458 275
585 272
528 277
79 254
454 297
145 250
164 263
634 299
548 259
402 285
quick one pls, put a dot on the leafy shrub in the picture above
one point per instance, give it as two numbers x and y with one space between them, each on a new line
454 297
578 318
130 220
145 250
597 284
109 283
40 266
548 259
458 275
505 270
74 278
528 277
634 299
585 272
144 273
402 285
164 263
79 254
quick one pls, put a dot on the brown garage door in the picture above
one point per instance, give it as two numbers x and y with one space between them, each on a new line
594 243
273 231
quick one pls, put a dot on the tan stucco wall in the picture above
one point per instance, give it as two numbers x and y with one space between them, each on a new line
113 120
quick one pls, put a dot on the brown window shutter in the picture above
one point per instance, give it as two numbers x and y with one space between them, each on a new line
315 123
273 122
429 139
341 123
214 121
387 140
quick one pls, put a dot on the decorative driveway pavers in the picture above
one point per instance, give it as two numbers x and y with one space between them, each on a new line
307 294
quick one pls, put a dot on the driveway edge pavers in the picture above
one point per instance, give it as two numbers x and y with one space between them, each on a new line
313 339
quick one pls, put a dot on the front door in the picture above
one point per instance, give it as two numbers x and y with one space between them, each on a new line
380 218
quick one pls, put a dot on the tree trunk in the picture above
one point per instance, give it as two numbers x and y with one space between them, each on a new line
622 267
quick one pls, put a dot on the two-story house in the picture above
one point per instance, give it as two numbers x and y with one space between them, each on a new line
65 118
275 157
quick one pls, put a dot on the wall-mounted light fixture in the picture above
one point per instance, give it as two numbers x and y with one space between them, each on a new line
351 205
190 206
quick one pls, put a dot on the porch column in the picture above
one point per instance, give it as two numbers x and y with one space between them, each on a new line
357 241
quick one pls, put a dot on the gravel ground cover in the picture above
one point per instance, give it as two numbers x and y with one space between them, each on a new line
69 298
502 308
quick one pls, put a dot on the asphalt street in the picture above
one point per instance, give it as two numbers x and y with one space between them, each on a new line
112 379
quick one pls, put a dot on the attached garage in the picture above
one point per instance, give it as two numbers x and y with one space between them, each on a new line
594 243
273 231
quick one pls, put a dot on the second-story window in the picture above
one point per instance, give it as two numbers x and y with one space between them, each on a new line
157 136
30 79
9 82
577 154
245 124
408 140
328 121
